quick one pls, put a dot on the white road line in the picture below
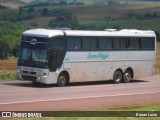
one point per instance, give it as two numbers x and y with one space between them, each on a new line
75 98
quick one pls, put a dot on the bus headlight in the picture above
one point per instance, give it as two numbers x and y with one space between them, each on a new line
19 71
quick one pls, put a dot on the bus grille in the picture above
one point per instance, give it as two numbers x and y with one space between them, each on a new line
33 73
31 78
27 72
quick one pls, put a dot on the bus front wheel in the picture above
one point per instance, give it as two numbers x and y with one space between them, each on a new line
62 80
117 76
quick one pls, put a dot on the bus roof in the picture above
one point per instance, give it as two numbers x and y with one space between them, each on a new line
107 32
43 33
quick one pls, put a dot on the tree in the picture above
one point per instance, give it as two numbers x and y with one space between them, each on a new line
45 12
63 3
158 36
30 10
20 10
113 2
4 51
10 36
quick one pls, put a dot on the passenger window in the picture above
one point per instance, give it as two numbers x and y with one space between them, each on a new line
74 43
105 43
89 43
134 43
147 43
120 43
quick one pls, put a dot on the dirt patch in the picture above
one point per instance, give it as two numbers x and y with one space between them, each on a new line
8 64
158 56
13 5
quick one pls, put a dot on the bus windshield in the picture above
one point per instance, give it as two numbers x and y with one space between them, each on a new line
33 57
33 52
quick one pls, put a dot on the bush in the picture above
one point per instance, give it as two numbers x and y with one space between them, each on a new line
7 75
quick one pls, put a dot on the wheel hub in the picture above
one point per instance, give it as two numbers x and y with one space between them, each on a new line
127 76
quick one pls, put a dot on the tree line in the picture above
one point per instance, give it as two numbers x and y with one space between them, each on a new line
12 25
10 36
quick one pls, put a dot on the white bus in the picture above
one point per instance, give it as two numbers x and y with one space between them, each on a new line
64 56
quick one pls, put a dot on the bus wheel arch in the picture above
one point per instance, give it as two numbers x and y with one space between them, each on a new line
128 75
63 79
117 76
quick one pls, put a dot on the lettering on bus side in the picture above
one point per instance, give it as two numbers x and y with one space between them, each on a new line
102 56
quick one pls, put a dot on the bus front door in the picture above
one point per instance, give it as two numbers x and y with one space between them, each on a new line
52 63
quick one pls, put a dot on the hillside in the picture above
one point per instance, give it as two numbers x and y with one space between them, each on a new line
74 14
87 1
14 4
20 3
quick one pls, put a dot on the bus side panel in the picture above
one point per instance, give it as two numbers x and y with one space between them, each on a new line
142 62
82 67
116 60
73 65
52 78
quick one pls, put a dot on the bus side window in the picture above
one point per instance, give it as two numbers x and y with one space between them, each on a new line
147 43
105 43
73 43
120 43
115 43
134 43
123 42
89 43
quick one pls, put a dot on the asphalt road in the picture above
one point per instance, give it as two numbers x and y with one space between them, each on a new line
24 96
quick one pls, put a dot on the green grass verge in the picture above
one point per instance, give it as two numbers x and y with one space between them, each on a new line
157 71
155 108
139 107
7 75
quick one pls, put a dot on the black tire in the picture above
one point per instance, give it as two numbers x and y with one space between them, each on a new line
117 76
62 80
127 76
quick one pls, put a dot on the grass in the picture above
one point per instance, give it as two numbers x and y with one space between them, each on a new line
7 75
153 108
157 71
150 107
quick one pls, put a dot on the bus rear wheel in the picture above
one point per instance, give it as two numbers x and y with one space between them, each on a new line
117 76
127 76
62 80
